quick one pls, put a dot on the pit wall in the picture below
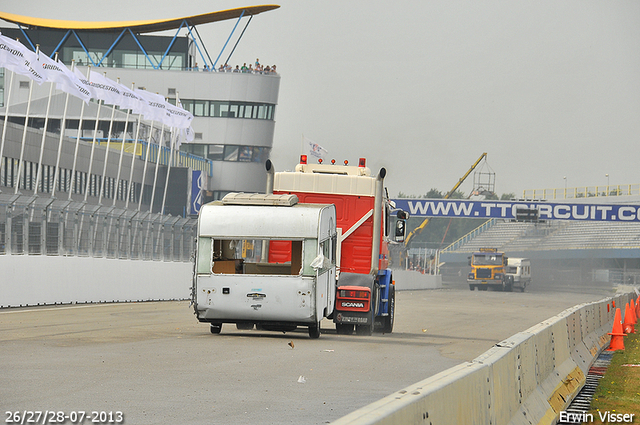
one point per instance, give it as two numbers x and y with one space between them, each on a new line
523 380
29 280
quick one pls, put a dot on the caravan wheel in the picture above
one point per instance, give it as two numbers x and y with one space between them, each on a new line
314 331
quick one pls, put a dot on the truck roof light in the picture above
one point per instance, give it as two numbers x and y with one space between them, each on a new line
333 162
346 162
362 162
319 160
303 159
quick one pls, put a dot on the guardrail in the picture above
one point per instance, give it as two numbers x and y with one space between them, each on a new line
526 379
582 192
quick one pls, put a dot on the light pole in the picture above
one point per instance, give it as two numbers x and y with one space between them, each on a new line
565 187
607 176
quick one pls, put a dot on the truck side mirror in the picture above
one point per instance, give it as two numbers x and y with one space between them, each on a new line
400 230
469 258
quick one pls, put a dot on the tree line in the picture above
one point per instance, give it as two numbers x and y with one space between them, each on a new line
442 231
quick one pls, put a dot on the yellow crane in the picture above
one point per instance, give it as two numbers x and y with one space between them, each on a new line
420 228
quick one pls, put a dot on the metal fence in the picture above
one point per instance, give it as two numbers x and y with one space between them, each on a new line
582 192
45 226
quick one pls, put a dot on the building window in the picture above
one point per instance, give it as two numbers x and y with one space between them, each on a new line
194 149
216 152
231 152
260 154
246 152
221 109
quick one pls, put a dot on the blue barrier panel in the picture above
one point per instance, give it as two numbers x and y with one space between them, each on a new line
501 209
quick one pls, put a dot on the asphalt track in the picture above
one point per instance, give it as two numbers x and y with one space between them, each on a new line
155 363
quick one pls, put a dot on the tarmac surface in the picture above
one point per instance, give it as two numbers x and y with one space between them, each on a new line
155 363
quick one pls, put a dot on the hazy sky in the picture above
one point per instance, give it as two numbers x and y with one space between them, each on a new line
547 88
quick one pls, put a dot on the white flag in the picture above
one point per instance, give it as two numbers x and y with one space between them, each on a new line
131 100
105 88
17 58
155 108
186 134
314 150
85 83
179 117
65 80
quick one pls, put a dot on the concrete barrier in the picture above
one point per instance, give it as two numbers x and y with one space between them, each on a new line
526 379
411 280
29 280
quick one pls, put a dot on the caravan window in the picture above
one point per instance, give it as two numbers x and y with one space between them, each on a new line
257 256
204 255
328 250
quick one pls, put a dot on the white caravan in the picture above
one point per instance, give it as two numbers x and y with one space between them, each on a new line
520 270
265 260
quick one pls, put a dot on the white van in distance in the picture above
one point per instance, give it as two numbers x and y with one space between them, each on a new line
520 270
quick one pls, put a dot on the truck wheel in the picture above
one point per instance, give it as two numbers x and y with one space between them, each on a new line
314 331
364 330
215 328
388 320
344 329
509 285
472 287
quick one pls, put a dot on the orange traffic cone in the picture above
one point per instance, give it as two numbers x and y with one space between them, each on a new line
634 317
627 324
617 337
638 307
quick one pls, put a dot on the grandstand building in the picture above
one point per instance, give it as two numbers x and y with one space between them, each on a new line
233 125
560 250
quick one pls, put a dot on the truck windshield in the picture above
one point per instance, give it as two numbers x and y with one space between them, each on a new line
487 260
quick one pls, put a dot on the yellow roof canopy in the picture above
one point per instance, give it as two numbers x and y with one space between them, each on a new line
146 26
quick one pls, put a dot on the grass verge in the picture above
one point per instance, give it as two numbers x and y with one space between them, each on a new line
618 391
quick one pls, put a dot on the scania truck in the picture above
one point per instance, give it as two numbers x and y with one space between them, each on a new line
365 291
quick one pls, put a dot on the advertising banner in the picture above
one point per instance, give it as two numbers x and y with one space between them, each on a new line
197 179
460 208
